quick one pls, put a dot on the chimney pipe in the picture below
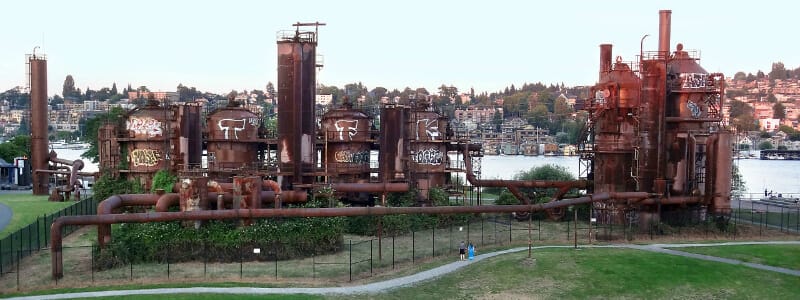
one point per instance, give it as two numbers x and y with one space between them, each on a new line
664 25
605 58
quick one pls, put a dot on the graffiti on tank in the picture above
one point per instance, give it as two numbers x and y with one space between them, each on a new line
431 128
145 157
349 126
345 156
227 124
148 126
694 109
253 122
694 80
430 156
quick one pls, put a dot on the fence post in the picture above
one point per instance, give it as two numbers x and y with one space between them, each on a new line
19 261
351 260
539 227
393 251
131 270
370 256
510 219
433 241
30 242
482 220
167 254
92 267
38 237
1 256
412 246
276 261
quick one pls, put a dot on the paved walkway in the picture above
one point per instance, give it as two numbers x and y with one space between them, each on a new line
384 286
5 216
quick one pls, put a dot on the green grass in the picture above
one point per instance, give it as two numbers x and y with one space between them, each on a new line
216 296
789 219
602 273
785 256
26 208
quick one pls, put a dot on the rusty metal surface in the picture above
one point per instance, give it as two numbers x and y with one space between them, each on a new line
114 202
664 30
296 101
348 141
56 228
233 138
393 154
395 187
39 121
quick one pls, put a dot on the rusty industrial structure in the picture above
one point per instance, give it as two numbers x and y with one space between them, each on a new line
45 164
654 142
655 126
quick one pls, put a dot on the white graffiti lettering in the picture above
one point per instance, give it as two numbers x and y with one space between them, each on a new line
148 126
145 157
694 109
227 124
352 157
694 80
351 126
431 128
430 156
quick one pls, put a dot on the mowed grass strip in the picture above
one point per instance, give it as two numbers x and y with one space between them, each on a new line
602 273
784 256
26 208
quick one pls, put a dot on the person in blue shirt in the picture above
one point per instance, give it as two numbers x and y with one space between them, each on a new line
471 250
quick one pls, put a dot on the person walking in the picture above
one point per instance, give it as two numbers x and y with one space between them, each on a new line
462 249
471 251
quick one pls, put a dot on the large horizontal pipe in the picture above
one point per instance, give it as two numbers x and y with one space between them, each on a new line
371 187
58 224
672 200
106 207
62 172
512 185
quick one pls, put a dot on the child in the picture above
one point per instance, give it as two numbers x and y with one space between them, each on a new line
471 251
461 250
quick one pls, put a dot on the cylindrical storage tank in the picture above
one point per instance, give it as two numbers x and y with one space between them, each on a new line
393 153
428 151
348 144
39 151
296 114
146 141
232 139
721 198
651 128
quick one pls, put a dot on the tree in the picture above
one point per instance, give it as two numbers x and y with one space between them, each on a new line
765 145
778 71
18 146
760 75
778 111
69 87
740 76
115 115
113 89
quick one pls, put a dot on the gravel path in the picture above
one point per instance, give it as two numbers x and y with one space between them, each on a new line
384 286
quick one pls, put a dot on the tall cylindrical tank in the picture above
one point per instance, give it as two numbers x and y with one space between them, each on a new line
393 154
39 121
232 139
146 142
348 144
428 158
296 114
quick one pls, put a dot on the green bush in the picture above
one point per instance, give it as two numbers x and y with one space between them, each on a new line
106 186
163 180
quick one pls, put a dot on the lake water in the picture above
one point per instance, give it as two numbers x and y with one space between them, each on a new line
778 175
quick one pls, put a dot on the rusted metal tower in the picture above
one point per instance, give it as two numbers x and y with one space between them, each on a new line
296 100
37 71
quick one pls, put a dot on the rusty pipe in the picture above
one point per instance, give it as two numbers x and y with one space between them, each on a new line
370 187
605 58
165 201
58 224
671 200
106 207
580 184
664 28
62 172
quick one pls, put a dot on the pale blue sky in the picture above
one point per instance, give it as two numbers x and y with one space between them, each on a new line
222 45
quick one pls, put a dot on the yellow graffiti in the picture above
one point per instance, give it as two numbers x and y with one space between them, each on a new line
145 157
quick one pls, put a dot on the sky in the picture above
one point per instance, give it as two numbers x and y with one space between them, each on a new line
219 46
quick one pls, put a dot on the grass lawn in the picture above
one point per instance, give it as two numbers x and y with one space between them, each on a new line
785 256
26 208
602 273
570 274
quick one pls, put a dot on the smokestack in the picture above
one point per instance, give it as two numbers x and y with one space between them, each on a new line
664 25
605 58
39 153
